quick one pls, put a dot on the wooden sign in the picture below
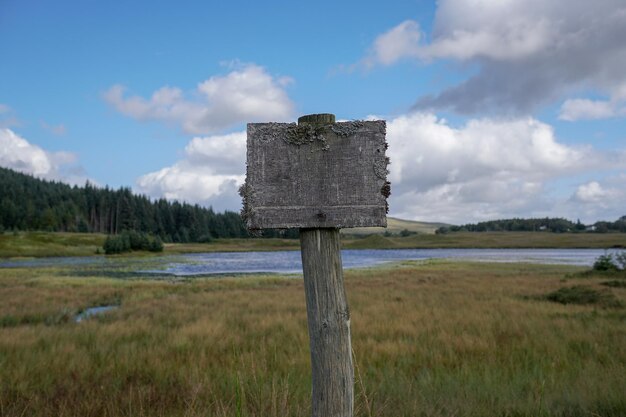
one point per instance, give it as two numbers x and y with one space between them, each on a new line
320 176
316 175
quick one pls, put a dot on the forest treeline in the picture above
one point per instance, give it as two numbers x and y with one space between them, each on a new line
556 225
28 203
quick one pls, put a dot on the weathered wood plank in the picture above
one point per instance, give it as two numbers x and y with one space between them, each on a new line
316 175
329 324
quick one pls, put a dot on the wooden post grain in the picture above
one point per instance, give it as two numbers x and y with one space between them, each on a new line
328 315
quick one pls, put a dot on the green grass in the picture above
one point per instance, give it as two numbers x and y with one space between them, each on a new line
39 244
514 240
490 240
583 294
615 283
370 242
430 338
49 244
395 226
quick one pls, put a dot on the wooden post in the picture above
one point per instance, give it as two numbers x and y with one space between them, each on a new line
319 176
328 315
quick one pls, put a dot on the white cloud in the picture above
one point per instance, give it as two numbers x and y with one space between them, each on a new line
193 184
466 29
599 200
591 192
426 150
246 94
576 109
579 109
224 153
399 42
498 30
210 174
483 170
20 155
525 52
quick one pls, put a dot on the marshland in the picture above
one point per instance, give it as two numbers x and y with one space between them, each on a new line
431 338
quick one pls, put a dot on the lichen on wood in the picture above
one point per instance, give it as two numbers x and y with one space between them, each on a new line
385 191
245 192
346 129
380 168
305 134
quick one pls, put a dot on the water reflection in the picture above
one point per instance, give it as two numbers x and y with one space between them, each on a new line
289 262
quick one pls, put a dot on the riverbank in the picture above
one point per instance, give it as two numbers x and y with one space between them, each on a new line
46 244
432 338
494 240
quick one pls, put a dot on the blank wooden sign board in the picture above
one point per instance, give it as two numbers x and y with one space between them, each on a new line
320 176
316 175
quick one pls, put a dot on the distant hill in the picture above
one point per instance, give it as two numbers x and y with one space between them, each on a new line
395 227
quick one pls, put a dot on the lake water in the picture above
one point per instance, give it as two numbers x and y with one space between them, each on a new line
289 262
94 311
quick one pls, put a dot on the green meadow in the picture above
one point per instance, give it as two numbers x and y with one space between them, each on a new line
502 240
430 339
39 244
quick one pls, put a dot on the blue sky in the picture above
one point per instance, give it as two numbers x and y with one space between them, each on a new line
494 109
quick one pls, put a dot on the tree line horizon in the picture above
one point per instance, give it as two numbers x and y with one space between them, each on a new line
545 224
28 203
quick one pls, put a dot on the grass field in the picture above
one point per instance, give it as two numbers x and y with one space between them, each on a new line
493 240
37 244
395 226
430 339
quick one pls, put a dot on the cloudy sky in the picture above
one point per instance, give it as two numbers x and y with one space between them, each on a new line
494 108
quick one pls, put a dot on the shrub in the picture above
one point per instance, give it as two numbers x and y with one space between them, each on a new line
580 294
156 245
205 238
116 244
605 263
131 240
616 283
137 240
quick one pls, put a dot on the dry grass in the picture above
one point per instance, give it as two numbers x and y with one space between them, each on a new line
38 244
395 226
499 240
430 339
